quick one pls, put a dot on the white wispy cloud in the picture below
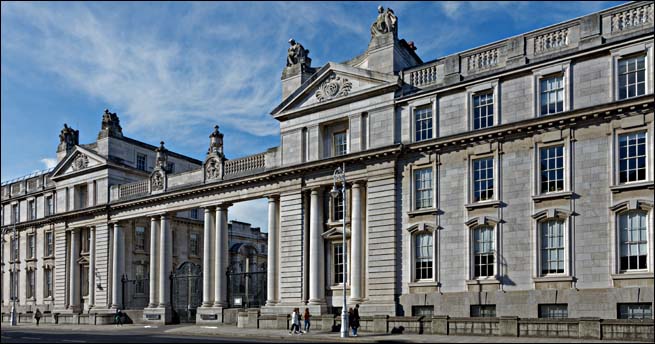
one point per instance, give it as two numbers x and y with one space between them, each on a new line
254 212
49 162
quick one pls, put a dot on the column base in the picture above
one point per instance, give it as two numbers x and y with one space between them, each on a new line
158 315
77 309
209 315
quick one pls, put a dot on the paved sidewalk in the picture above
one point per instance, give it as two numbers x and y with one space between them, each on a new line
283 335
273 335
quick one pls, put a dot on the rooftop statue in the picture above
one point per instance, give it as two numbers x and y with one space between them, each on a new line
68 138
297 54
386 22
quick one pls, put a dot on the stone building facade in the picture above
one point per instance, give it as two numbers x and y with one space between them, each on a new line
512 179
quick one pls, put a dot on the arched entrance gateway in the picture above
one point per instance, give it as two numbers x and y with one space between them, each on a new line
186 292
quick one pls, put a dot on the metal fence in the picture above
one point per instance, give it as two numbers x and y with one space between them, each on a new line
246 289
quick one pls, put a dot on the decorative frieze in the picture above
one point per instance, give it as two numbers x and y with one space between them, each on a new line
550 41
253 162
333 87
423 76
483 60
632 18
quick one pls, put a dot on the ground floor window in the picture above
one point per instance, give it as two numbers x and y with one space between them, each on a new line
635 311
418 311
553 311
483 311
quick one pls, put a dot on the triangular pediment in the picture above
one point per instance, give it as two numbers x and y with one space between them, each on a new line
79 160
332 83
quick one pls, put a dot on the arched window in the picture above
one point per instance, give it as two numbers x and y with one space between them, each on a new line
633 240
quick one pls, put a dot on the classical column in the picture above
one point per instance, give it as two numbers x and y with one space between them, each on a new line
74 282
207 300
92 267
117 268
165 261
356 244
220 279
316 248
152 285
272 259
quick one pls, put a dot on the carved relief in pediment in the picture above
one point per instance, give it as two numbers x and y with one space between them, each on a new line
80 162
333 86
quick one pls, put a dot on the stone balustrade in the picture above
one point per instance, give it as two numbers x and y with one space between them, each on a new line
255 162
483 60
567 37
141 187
550 41
632 18
425 75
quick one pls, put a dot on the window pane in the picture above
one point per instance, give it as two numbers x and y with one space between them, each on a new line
632 157
633 243
423 188
483 110
423 123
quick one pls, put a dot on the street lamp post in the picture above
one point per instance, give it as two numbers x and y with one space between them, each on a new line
340 174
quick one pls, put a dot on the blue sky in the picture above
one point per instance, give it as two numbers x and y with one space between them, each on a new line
172 70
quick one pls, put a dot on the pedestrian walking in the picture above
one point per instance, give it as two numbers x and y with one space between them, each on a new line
306 317
37 316
295 321
118 317
355 321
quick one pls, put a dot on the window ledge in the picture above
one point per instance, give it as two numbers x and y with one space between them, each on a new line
553 195
338 287
490 280
52 256
423 284
633 275
546 279
632 186
483 204
338 223
33 259
139 251
424 211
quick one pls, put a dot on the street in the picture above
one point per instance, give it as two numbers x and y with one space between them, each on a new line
109 334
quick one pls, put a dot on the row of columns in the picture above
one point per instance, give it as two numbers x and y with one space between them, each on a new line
74 271
215 231
215 262
316 246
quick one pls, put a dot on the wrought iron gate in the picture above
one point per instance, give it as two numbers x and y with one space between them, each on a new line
186 292
246 289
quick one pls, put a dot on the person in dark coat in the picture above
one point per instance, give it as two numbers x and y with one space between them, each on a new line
37 316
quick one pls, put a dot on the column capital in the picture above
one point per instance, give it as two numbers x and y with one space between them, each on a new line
273 198
358 183
224 205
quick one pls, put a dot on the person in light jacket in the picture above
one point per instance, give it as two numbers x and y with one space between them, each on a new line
295 321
